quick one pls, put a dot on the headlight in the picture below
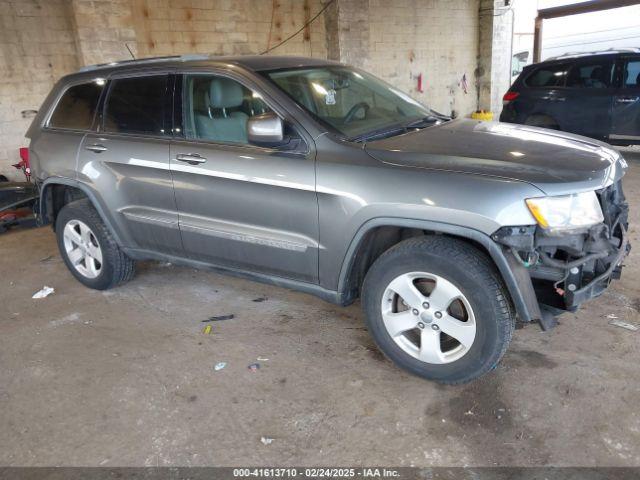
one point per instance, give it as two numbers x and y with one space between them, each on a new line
566 212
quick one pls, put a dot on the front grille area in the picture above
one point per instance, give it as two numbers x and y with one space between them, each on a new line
566 270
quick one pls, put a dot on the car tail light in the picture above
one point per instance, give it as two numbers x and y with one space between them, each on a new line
509 97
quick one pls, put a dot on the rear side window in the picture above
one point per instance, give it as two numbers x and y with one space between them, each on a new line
137 105
77 107
632 74
591 75
549 76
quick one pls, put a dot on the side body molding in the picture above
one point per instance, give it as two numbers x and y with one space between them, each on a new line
521 292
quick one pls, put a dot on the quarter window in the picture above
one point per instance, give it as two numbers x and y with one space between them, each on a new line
77 107
137 105
632 74
591 75
217 108
551 76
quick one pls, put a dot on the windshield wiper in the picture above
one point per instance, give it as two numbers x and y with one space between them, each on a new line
380 132
428 120
399 128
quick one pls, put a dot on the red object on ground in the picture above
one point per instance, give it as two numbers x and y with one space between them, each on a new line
13 215
24 155
24 164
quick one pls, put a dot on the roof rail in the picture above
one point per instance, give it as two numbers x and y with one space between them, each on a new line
146 61
599 52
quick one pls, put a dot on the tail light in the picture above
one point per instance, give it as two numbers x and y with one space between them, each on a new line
509 97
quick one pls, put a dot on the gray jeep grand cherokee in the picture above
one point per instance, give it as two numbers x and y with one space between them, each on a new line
319 177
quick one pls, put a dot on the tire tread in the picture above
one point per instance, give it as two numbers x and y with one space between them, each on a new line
123 267
479 266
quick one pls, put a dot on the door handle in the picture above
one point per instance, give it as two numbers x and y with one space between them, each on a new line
627 100
191 158
96 148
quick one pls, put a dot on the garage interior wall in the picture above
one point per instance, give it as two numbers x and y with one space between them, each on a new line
37 46
397 40
402 39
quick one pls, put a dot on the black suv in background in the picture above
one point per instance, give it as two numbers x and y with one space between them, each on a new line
595 94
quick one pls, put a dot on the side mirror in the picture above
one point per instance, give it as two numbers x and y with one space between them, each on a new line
265 129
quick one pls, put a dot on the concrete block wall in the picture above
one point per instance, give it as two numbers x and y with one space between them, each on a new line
435 38
494 55
37 46
103 29
219 27
401 39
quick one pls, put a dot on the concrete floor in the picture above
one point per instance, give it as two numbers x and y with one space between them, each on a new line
126 377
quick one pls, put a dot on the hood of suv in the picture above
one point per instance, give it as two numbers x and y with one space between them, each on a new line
553 161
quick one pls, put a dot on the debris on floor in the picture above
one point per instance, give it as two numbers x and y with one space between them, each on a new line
207 330
45 292
259 299
254 367
46 259
219 318
219 366
262 359
266 440
621 324
611 315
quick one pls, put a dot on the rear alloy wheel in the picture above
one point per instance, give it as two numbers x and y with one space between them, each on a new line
89 249
437 307
82 248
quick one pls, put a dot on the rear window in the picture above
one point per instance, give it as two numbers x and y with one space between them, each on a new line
137 105
591 75
548 76
77 107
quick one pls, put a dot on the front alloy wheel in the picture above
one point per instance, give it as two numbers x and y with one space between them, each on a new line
437 307
428 317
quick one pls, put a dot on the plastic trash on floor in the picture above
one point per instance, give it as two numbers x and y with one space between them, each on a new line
45 292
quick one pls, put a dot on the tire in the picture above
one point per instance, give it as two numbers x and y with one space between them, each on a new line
80 231
481 305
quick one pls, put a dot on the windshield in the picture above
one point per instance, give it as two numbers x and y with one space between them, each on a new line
351 102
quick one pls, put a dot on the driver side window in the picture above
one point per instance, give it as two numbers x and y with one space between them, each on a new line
217 108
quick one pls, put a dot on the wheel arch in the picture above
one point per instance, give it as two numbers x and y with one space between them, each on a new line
376 236
57 192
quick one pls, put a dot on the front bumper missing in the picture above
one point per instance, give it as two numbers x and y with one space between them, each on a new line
599 284
562 271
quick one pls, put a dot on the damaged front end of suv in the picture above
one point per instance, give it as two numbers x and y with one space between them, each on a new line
574 251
